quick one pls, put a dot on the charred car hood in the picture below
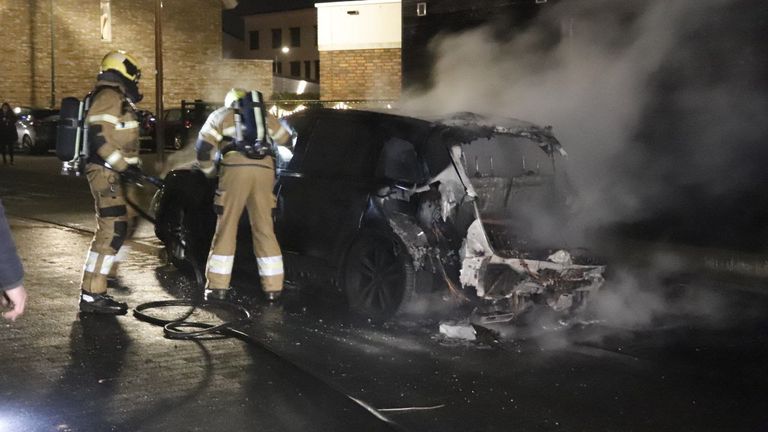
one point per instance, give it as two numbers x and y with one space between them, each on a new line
475 126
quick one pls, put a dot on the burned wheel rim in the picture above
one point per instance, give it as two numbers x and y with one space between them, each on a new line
178 237
378 274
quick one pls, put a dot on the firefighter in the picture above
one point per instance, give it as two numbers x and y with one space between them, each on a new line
242 136
113 155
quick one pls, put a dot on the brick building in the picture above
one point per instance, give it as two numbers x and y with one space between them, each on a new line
360 49
289 38
84 30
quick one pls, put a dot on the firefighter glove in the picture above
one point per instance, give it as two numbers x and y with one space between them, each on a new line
132 174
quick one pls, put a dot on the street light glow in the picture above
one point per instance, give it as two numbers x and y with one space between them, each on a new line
285 50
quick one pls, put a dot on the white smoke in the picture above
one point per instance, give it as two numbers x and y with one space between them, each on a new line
593 86
600 83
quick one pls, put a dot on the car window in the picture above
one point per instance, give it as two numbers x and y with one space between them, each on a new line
347 148
436 152
173 115
42 113
399 162
302 125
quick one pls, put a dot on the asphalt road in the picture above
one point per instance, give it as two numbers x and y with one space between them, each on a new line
660 349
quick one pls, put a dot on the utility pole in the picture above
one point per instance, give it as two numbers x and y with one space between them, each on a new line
53 55
159 121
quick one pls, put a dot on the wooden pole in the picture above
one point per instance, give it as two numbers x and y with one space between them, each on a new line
159 120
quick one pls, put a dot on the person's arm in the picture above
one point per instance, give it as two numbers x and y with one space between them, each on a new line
207 141
279 132
12 291
16 298
105 131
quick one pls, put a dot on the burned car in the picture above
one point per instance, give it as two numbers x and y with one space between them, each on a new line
383 208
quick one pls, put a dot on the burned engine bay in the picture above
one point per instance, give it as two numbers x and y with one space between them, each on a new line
473 220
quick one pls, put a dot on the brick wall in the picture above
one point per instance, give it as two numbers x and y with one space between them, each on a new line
192 57
360 74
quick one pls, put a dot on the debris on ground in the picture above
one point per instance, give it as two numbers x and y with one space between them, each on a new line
458 330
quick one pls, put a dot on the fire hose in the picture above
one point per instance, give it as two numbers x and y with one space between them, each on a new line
175 328
179 328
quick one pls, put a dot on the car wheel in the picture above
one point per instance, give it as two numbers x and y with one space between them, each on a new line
177 142
27 145
181 247
379 277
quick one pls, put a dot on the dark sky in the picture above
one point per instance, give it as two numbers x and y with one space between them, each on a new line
250 7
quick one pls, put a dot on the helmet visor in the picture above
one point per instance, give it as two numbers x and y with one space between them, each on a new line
132 70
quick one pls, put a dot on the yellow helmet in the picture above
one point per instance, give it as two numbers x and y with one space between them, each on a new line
234 95
122 63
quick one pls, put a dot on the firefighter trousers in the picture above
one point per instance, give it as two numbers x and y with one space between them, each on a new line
114 223
245 187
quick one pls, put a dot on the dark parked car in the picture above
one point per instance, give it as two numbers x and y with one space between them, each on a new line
36 128
384 208
176 128
146 129
183 124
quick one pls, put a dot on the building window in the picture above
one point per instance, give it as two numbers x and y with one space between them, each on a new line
421 8
317 70
295 37
254 39
105 22
277 38
307 69
295 68
277 68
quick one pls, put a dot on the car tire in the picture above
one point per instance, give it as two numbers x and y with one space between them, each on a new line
27 145
378 275
181 246
178 142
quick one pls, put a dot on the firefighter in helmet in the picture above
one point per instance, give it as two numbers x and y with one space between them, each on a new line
113 156
242 137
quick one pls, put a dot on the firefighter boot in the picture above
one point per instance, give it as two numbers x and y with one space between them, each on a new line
101 304
216 294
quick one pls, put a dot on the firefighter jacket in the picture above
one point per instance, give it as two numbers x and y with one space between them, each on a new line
219 130
113 127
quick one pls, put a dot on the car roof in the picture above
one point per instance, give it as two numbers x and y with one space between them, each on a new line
460 127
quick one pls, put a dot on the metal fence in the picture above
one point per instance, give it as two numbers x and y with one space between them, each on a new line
284 107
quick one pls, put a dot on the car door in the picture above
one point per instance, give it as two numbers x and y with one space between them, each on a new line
324 192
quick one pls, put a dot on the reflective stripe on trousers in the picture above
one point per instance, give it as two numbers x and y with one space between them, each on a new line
245 187
114 220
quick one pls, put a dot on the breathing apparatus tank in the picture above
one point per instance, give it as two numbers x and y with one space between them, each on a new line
251 137
71 136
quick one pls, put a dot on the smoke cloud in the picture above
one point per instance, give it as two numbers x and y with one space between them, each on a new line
660 105
637 91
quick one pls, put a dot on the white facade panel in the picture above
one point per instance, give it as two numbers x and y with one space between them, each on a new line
364 24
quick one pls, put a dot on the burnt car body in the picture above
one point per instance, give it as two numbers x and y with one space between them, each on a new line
385 207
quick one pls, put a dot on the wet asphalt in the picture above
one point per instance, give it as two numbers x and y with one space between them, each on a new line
660 350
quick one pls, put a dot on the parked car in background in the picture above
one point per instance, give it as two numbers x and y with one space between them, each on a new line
182 124
176 130
146 130
36 128
384 208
